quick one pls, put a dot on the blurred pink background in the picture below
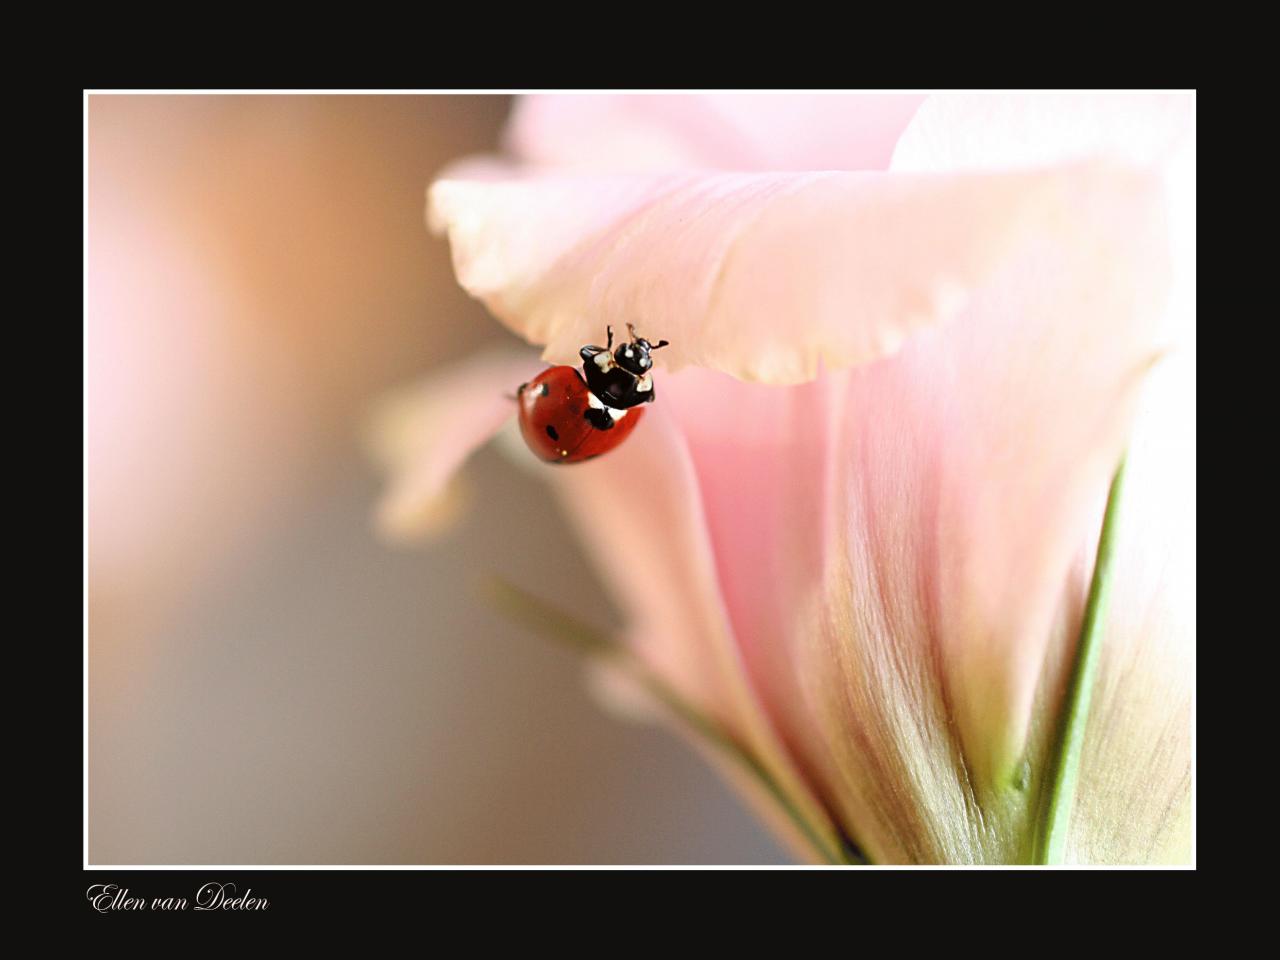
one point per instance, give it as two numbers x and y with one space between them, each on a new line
269 683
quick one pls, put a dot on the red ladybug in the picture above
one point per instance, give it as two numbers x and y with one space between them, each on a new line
567 416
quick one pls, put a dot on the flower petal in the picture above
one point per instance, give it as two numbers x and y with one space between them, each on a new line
1133 801
424 434
894 543
763 276
954 132
719 131
639 513
1137 755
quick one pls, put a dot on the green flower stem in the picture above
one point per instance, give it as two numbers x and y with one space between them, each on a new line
715 735
544 618
1051 845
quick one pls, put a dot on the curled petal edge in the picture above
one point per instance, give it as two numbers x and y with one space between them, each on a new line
768 277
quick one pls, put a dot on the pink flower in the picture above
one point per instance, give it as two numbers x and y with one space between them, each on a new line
862 517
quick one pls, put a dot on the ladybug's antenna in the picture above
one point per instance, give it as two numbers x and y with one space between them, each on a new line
631 327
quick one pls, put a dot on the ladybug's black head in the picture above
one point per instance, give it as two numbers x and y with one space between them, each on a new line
634 356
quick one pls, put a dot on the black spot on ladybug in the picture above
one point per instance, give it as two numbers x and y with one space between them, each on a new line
551 431
545 391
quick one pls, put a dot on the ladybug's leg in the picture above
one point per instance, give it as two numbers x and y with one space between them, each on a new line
609 330
599 418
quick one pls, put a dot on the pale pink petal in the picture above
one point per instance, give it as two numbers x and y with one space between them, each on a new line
763 276
894 543
1133 804
639 513
637 132
1134 798
1138 745
954 132
424 434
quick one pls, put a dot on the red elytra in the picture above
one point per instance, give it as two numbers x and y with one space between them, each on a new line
553 418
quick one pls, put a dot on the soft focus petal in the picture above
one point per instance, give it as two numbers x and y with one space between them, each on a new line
1133 804
893 544
1134 798
639 513
953 132
423 435
635 132
762 276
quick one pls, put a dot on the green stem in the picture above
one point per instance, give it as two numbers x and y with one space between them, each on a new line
1051 845
745 759
546 619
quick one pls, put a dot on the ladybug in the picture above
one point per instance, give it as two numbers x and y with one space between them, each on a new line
568 417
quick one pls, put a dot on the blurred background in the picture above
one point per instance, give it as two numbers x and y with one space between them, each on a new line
268 682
